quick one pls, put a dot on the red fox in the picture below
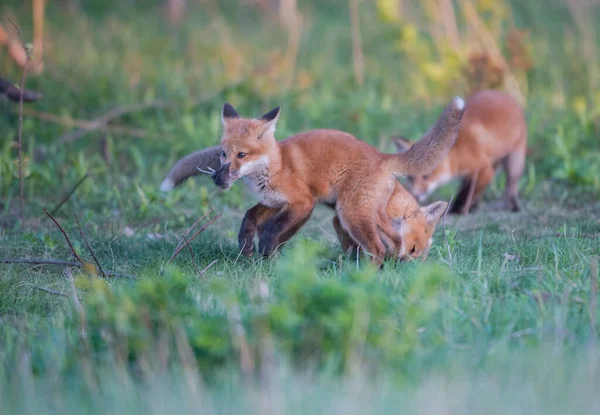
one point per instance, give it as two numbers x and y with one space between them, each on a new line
493 131
319 166
414 223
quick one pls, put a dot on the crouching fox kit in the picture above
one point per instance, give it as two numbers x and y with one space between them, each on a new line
415 225
493 131
319 166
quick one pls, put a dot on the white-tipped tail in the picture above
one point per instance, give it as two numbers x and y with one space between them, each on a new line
459 103
167 185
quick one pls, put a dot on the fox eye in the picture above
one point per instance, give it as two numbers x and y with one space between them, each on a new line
223 154
425 177
241 155
412 251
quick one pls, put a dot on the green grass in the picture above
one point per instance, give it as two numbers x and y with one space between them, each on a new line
502 317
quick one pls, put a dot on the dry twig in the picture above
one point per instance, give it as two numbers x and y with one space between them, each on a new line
83 124
68 196
89 247
594 295
77 257
469 201
194 225
208 267
202 229
357 53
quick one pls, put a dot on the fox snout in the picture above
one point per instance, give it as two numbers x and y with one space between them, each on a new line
223 177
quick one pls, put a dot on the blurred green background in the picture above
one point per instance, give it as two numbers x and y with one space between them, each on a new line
502 318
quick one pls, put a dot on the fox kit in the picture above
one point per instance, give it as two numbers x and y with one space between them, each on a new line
319 166
493 131
414 223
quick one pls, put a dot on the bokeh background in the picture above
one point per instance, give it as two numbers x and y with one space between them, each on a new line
503 318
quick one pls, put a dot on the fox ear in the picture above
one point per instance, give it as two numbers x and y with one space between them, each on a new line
270 120
401 143
228 113
433 213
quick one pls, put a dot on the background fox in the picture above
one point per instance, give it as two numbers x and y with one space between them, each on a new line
493 132
320 166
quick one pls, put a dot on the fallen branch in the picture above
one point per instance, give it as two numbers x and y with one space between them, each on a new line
68 196
14 93
83 124
33 261
89 247
101 123
202 229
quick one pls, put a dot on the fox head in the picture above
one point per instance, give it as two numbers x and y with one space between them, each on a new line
422 186
248 146
417 230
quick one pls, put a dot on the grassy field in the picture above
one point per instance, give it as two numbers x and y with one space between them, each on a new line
502 318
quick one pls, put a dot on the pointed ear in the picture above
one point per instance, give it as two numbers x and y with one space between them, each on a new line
434 212
270 120
401 143
228 113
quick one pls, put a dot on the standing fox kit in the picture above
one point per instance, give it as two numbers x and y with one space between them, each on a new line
319 166
493 131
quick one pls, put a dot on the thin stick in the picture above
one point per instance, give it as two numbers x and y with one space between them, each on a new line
16 28
209 266
594 295
194 225
38 31
192 256
74 296
49 290
77 257
89 248
445 233
56 262
202 229
357 54
20 143
467 205
68 196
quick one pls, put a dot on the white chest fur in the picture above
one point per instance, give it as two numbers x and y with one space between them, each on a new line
258 183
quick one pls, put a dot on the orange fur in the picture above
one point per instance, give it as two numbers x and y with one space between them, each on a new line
320 166
415 225
493 132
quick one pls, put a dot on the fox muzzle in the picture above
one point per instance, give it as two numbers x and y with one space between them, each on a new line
223 177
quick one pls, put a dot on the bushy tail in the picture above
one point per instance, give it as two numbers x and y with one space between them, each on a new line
424 155
188 166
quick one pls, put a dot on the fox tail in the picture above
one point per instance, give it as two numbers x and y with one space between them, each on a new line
188 166
424 155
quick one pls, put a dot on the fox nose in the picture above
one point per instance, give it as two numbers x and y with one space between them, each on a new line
226 165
